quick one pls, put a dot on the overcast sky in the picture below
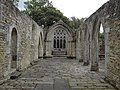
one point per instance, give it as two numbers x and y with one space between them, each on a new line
77 8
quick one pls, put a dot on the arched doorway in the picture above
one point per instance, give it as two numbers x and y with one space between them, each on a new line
39 48
59 42
101 51
101 40
14 49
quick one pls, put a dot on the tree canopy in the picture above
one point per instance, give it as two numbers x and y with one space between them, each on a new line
43 12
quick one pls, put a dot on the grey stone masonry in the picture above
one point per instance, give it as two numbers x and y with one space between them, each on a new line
19 38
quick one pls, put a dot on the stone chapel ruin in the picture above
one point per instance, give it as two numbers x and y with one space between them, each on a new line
22 41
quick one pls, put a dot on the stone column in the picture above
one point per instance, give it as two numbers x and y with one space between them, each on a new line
94 61
78 49
106 33
86 53
47 48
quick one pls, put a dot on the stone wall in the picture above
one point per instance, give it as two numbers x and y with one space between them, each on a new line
113 66
2 53
28 34
30 40
109 16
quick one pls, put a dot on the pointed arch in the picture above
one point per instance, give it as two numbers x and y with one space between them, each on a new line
14 48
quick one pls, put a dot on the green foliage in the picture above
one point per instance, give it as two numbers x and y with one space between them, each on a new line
75 22
43 12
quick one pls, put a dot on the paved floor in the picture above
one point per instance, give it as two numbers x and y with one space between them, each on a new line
59 74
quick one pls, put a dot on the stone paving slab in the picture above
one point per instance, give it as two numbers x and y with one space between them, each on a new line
61 84
44 87
58 74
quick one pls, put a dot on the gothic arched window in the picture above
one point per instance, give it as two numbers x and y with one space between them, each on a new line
59 41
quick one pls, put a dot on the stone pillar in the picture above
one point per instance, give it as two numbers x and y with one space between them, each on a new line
78 49
73 49
48 48
68 48
40 52
106 48
81 52
94 61
86 53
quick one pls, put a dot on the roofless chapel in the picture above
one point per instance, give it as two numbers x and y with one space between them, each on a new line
23 41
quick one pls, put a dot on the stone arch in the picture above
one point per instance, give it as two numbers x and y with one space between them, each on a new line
62 27
61 36
95 43
58 33
95 22
14 41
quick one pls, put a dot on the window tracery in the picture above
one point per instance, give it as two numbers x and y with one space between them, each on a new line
59 41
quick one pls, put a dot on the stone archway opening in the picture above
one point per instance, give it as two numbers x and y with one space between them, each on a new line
101 40
39 48
101 50
14 48
98 46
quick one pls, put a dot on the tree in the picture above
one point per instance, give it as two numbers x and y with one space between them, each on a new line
43 12
75 22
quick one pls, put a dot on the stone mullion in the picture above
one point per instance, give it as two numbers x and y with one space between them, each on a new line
56 43
59 42
62 42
